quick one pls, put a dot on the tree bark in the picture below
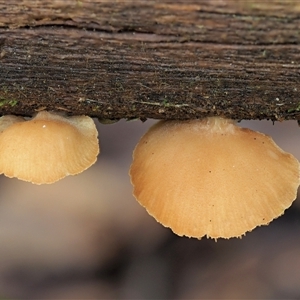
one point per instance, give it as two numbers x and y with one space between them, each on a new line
151 58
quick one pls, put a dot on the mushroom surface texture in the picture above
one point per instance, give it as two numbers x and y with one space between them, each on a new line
211 177
47 147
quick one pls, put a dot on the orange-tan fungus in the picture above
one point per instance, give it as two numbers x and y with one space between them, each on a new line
47 147
211 177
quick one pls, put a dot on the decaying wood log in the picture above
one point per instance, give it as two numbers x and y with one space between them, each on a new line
151 58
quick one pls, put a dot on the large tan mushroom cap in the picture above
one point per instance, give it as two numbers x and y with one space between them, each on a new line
48 147
211 177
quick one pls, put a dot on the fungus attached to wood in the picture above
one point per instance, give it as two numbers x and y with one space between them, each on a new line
47 147
211 177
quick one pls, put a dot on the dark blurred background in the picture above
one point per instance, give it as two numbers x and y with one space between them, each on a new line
86 237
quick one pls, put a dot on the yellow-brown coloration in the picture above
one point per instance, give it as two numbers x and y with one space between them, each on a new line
211 177
48 147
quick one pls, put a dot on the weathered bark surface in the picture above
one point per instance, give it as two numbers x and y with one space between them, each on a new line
151 58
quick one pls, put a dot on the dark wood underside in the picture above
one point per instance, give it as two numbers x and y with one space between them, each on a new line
151 59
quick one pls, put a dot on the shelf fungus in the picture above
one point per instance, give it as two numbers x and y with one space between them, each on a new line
47 147
212 178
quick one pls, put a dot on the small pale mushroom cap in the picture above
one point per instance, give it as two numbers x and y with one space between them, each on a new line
211 177
47 147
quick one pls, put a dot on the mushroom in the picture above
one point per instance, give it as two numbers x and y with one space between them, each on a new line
211 177
47 147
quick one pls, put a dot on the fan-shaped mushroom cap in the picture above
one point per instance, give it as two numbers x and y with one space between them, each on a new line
48 147
211 177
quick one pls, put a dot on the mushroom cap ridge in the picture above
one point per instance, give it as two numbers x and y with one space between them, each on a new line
211 177
48 147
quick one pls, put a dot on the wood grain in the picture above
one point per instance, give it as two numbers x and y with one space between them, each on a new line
151 59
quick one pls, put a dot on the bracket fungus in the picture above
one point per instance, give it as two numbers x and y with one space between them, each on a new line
211 177
47 147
